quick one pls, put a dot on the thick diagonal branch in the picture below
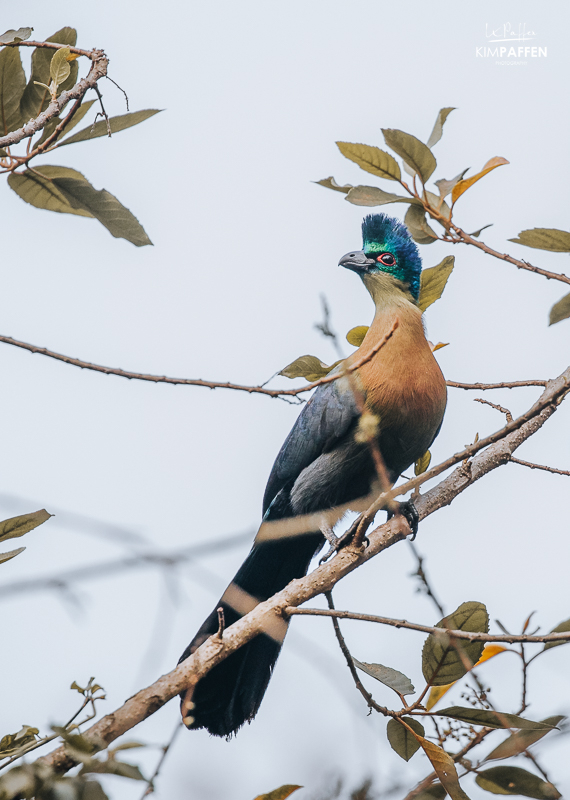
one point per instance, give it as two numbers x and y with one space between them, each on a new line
268 614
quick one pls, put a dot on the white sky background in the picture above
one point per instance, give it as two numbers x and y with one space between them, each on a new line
255 96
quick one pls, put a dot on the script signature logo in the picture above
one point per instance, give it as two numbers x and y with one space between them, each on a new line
509 33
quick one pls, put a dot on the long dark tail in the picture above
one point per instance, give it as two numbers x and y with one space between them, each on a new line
231 693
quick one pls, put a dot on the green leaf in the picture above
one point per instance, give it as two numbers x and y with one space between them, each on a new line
415 153
521 740
116 124
355 336
279 794
564 627
42 192
401 740
15 36
11 554
35 99
492 719
397 681
112 767
373 196
514 780
437 131
12 743
17 526
371 159
560 310
59 67
126 746
438 204
417 224
434 792
67 191
330 183
75 120
463 185
434 281
441 662
545 239
309 367
478 233
12 85
445 186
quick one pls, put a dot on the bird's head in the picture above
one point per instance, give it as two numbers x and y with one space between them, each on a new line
388 248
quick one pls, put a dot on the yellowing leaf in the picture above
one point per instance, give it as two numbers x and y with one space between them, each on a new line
444 768
490 651
433 282
462 186
279 794
355 336
422 463
437 346
437 692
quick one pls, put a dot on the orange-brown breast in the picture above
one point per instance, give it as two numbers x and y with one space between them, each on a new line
403 383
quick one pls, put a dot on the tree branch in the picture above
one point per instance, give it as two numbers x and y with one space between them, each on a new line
268 615
141 376
453 634
98 70
465 238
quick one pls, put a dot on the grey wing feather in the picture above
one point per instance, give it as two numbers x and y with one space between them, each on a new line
325 419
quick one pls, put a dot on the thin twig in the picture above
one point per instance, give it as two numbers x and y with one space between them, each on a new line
530 465
413 626
421 574
505 385
150 785
372 704
502 409
169 558
76 362
464 238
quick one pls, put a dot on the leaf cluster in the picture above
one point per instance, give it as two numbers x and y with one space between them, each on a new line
419 162
51 187
445 660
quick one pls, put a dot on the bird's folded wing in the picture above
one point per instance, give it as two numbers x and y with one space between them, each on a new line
325 420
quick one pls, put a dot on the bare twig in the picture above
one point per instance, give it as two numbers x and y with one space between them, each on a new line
412 626
530 465
462 237
266 616
150 784
421 574
372 704
62 579
505 385
76 362
502 409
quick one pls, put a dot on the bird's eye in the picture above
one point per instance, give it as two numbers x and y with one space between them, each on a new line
387 259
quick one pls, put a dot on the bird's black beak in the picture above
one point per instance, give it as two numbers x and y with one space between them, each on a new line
356 261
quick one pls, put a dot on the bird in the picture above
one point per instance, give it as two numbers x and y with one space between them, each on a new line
324 464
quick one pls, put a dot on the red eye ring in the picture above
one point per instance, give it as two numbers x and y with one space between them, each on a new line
387 259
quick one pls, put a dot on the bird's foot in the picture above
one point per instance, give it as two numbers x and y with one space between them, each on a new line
410 513
337 543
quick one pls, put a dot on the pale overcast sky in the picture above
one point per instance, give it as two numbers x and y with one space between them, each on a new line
255 96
